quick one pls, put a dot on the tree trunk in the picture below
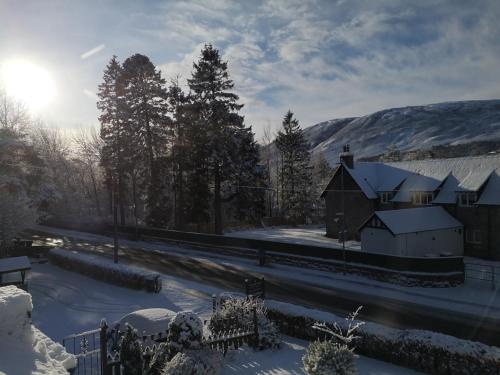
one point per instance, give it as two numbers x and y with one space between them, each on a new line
217 202
121 198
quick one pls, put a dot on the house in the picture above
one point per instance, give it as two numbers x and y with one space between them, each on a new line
413 232
467 188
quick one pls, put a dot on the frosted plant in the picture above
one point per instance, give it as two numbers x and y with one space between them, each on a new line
329 358
237 313
185 332
131 352
198 362
336 354
343 335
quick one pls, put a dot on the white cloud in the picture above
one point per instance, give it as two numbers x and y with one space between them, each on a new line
92 51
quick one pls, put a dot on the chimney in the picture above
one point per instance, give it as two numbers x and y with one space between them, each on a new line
347 158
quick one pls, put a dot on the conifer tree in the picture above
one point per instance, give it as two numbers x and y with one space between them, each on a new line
295 170
114 158
217 131
145 99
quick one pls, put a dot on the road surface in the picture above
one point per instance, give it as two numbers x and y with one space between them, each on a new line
383 310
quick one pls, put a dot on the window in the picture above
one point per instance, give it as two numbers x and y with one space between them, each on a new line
422 197
467 199
473 236
386 196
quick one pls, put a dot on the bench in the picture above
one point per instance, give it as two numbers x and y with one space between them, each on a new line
13 265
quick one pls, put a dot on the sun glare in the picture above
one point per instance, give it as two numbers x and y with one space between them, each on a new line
28 83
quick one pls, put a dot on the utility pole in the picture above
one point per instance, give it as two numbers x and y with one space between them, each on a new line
343 217
115 220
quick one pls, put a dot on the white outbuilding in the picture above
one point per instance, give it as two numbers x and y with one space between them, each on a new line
413 232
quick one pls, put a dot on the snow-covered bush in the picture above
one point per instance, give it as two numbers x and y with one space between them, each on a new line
185 332
235 313
16 214
329 358
199 362
336 354
131 352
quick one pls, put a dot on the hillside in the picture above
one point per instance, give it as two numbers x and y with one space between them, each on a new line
408 128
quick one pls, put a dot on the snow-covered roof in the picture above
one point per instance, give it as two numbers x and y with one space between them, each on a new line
377 177
411 220
491 192
451 175
415 182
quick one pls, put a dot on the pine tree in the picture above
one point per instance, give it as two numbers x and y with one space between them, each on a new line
322 173
218 133
295 170
178 106
145 99
115 157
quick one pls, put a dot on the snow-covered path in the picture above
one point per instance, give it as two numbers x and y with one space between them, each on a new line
66 302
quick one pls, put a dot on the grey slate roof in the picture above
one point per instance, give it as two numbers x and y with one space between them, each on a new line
413 220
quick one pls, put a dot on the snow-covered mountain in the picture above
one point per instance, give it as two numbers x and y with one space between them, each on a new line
408 128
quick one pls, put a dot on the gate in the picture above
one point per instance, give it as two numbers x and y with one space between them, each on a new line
86 347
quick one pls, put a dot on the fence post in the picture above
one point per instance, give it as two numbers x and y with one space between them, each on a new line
263 285
214 304
255 328
104 347
492 277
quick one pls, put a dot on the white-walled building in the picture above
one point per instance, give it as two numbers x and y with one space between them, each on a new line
413 232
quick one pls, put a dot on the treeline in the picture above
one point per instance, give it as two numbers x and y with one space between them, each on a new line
166 155
445 151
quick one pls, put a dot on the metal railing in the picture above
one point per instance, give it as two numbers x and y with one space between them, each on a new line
487 273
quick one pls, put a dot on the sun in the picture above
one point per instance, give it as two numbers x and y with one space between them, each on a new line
28 83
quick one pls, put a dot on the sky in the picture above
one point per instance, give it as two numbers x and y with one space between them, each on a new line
320 59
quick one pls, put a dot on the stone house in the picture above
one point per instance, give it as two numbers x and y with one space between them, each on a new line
468 188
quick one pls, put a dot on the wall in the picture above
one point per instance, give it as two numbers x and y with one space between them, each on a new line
376 240
412 244
431 242
357 207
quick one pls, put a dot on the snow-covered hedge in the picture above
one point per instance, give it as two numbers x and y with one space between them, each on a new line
104 269
23 348
425 351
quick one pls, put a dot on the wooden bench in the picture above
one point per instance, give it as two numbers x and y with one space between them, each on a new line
13 265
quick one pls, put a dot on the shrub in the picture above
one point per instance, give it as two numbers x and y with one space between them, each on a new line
335 355
329 358
131 352
200 362
237 313
185 332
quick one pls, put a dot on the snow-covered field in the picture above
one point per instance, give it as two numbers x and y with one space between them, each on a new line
303 235
66 303
473 297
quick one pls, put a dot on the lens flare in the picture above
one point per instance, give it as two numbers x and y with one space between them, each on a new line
28 83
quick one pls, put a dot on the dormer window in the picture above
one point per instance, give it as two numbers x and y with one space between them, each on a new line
422 198
386 196
467 199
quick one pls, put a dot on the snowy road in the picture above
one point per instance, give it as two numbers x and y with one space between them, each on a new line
381 309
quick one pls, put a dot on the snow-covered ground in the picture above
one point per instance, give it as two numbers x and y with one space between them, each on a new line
66 303
314 235
473 297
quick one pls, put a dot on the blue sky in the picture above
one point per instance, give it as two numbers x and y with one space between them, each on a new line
321 59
